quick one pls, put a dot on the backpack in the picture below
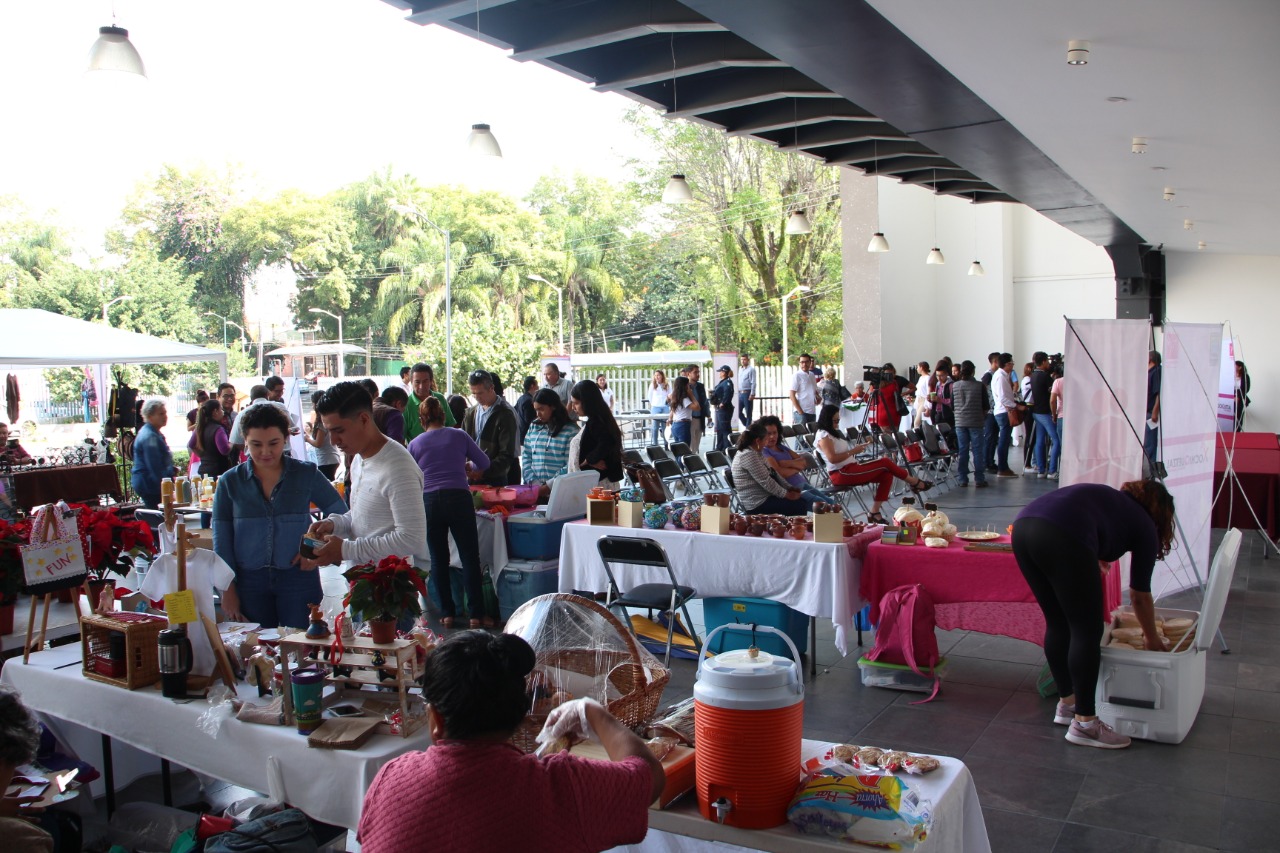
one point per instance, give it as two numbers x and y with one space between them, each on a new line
905 634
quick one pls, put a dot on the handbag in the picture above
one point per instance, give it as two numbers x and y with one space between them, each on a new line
1016 415
646 477
903 411
54 559
913 452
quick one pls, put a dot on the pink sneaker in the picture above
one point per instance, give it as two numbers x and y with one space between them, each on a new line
1096 733
1064 714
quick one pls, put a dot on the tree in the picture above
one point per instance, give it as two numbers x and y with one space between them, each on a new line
488 342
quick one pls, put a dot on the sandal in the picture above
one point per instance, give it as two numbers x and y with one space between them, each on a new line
921 485
876 518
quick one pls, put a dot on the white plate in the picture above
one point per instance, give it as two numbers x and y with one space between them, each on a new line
978 535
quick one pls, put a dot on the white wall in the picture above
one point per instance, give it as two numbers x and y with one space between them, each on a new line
1242 291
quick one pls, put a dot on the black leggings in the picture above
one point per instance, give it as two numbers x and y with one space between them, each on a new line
1064 577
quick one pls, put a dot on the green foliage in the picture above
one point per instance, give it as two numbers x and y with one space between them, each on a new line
488 342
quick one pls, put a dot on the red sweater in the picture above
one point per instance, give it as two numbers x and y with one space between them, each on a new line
477 797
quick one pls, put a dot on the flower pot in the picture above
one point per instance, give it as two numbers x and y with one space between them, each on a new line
6 618
383 630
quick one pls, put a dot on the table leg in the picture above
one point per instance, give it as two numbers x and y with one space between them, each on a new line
813 645
166 781
108 775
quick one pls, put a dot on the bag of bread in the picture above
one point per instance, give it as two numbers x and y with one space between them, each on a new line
881 811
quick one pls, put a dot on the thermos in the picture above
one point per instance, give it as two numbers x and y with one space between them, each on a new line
175 662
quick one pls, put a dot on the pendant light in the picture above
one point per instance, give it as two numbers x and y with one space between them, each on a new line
481 141
114 52
878 242
975 268
935 254
798 223
677 190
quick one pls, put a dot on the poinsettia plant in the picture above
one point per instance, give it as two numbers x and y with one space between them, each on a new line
388 590
12 537
110 542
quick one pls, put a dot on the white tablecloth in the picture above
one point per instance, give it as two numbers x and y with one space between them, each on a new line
957 821
328 785
493 544
815 578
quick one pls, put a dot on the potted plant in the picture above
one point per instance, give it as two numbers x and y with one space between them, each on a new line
385 593
12 537
110 545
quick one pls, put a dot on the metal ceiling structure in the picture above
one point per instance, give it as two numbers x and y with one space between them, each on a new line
831 79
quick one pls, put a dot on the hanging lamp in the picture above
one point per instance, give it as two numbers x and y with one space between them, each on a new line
975 268
481 141
935 254
798 223
878 242
677 190
114 52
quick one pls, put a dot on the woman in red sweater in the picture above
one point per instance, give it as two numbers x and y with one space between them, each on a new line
473 791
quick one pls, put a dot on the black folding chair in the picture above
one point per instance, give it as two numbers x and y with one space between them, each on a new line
718 460
698 470
672 473
680 450
663 597
734 503
656 452
634 457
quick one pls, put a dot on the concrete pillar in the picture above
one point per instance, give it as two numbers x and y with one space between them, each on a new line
863 303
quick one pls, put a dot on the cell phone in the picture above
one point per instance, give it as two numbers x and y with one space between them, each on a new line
309 546
346 711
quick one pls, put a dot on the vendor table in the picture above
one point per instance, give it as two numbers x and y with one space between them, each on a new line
1255 464
328 785
971 590
958 826
815 578
72 483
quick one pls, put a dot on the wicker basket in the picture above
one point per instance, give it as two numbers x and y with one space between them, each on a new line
632 671
141 652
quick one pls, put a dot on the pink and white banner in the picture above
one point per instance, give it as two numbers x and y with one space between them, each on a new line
1189 414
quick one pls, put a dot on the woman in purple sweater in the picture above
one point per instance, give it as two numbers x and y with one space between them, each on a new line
1064 542
442 454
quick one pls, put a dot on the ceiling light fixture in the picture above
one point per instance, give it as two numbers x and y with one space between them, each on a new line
975 268
878 243
677 190
1077 52
1117 99
114 52
1187 225
1202 245
1139 145
798 223
481 140
935 254
1169 193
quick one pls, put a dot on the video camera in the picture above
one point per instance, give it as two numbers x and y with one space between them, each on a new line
875 375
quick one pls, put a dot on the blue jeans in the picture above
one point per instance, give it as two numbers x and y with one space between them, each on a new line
969 440
278 596
802 418
1151 443
1057 450
450 511
990 438
681 431
1046 434
1002 447
657 428
745 407
813 496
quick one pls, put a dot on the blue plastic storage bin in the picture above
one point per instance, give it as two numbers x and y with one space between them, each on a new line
761 611
534 538
523 580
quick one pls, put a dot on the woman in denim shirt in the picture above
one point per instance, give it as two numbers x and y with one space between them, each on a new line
260 512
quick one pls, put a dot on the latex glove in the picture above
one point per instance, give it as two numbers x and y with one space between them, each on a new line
568 721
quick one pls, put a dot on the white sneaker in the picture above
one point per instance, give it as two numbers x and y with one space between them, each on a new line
1031 472
1040 475
1096 733
1053 476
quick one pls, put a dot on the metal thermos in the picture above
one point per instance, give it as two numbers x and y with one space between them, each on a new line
175 662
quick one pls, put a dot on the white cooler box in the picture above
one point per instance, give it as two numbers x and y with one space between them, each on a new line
1156 695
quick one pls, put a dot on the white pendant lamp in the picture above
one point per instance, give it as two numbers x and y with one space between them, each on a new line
114 52
935 257
935 254
482 142
798 223
677 191
975 268
878 242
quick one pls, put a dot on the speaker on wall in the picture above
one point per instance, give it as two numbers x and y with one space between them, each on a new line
1140 283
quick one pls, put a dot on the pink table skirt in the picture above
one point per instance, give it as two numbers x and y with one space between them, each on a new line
972 590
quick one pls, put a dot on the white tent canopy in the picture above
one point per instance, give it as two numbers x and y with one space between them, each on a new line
637 359
318 349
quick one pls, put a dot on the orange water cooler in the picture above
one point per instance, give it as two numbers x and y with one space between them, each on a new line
748 713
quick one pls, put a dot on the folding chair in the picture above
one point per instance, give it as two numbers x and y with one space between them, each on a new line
672 473
698 470
817 468
787 431
734 503
719 460
936 460
680 450
634 457
656 452
636 551
732 451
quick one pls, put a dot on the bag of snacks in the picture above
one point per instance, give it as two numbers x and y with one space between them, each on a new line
881 811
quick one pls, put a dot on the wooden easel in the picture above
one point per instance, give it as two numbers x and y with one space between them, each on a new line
49 526
185 544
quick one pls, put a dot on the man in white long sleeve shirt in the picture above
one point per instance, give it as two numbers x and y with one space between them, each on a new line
386 517
1004 399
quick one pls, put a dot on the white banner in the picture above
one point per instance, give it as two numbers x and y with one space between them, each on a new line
1099 444
1189 407
1227 387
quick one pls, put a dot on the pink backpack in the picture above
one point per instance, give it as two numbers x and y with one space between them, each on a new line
905 634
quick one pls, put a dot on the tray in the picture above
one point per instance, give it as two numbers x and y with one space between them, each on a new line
977 535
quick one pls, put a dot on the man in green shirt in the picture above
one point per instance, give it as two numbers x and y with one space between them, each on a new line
423 380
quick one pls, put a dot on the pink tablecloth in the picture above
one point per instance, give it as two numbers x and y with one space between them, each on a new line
971 590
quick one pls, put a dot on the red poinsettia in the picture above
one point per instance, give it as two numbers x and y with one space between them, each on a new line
109 540
12 537
387 590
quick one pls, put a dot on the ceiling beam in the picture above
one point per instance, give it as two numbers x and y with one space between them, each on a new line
731 87
833 134
773 115
657 58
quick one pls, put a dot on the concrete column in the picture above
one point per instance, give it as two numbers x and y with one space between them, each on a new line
863 303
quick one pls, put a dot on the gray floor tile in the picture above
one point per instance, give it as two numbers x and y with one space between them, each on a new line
1210 732
1249 825
1253 676
919 730
1218 699
1015 786
1163 764
1019 833
1043 745
988 673
1253 778
1255 737
1079 838
1026 707
989 647
1189 815
1257 705
969 699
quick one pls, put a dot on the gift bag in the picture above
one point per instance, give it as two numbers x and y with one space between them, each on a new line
54 559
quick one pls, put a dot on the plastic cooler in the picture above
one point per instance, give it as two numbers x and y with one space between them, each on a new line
761 611
525 580
1156 695
531 537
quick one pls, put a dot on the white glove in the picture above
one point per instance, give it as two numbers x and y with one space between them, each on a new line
568 721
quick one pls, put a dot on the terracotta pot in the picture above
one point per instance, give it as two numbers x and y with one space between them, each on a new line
722 500
798 530
755 528
383 630
740 525
709 499
6 618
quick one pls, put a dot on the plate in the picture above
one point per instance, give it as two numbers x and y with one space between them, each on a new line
978 535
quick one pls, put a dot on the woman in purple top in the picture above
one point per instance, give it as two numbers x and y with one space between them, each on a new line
1064 542
442 454
787 463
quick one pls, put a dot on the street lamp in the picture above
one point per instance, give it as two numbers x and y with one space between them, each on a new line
242 334
342 366
448 278
559 304
124 298
800 288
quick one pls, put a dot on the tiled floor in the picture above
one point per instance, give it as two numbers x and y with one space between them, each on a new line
1218 790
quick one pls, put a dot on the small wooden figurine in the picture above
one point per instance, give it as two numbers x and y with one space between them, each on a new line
318 629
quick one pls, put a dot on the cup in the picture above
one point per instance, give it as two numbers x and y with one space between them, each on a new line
308 688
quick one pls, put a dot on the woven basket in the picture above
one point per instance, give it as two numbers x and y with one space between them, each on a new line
636 675
142 654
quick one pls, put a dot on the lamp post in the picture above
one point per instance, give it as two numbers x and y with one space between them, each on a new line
800 288
124 298
559 304
342 366
224 320
242 334
448 284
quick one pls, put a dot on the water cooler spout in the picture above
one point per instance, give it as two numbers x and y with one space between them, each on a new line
722 807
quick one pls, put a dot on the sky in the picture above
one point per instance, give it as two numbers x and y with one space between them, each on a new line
307 94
